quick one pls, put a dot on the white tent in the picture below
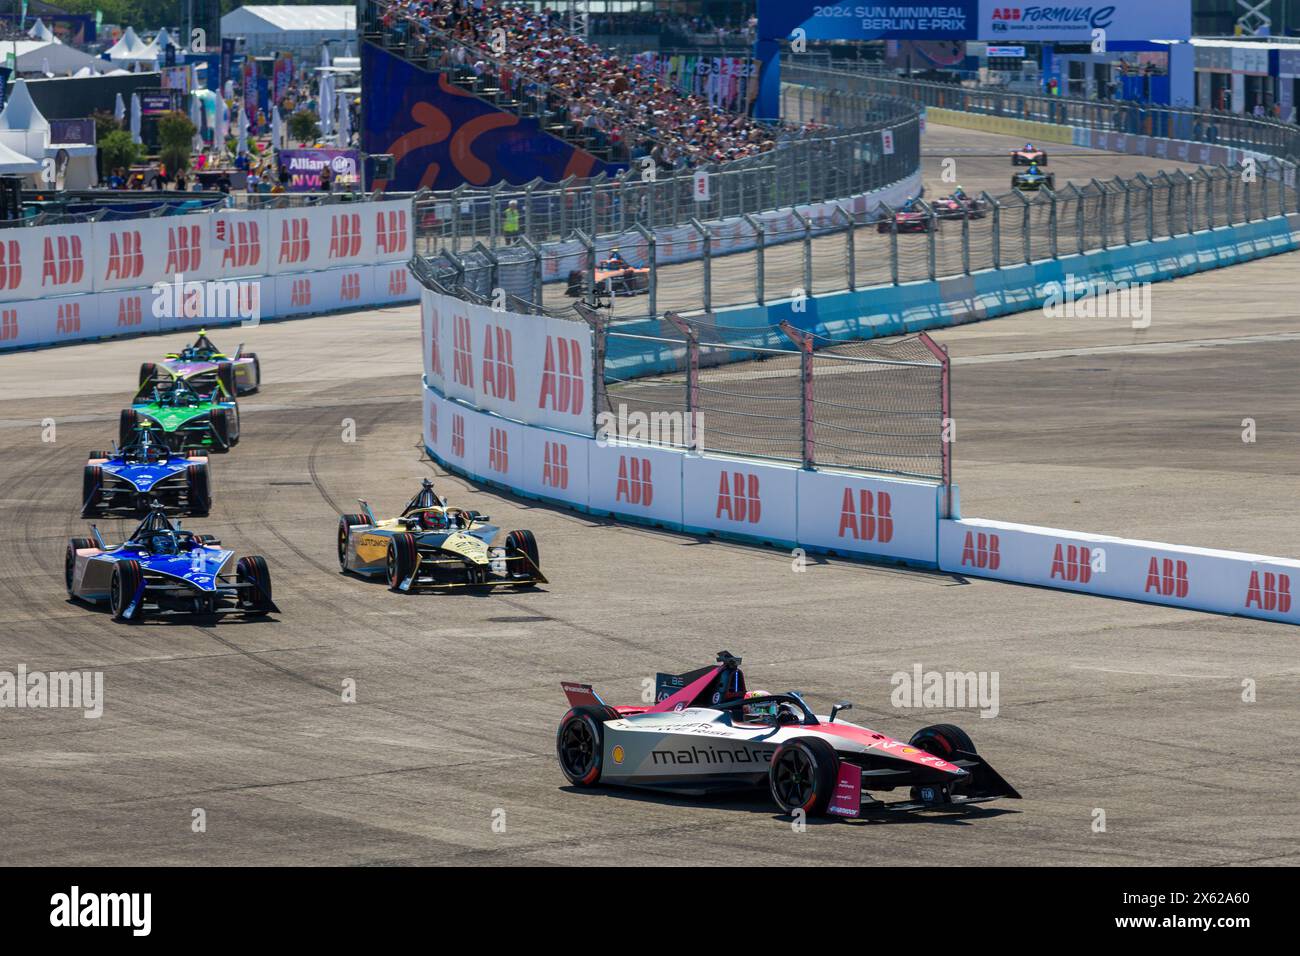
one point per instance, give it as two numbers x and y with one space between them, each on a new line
164 40
40 31
16 164
127 44
23 128
299 30
34 55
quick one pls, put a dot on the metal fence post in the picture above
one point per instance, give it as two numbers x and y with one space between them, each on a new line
589 245
494 214
1051 224
807 251
707 259
1150 205
652 263
931 236
804 342
965 240
599 334
851 248
529 189
455 216
1103 212
996 206
760 257
1024 226
1189 203
893 241
1245 197
945 403
536 293
692 336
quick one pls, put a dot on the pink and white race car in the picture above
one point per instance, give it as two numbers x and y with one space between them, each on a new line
706 734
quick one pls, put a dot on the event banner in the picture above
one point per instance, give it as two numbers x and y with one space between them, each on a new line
304 167
1066 21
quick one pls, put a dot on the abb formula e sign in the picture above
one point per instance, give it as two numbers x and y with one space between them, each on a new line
859 515
741 498
1224 582
532 369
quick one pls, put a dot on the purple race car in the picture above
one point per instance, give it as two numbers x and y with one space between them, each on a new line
206 367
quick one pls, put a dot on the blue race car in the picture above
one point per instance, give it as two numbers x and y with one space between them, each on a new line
161 568
1033 179
142 473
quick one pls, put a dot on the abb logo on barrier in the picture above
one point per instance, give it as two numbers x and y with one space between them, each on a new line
8 325
498 450
981 550
184 249
433 424
11 264
243 244
738 497
130 312
350 287
125 255
397 282
1168 578
562 376
435 354
345 235
1072 563
868 517
458 435
1269 592
498 363
462 355
295 243
390 231
635 484
555 465
63 264
300 292
69 319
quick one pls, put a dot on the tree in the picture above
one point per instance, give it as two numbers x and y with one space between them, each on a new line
175 136
304 126
118 151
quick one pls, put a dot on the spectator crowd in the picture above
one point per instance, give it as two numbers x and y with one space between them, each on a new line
619 106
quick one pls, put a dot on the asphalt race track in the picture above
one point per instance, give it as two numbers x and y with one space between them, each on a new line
1104 705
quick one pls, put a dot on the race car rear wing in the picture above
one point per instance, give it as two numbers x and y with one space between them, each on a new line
581 695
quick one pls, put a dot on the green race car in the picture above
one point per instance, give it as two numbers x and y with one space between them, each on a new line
182 417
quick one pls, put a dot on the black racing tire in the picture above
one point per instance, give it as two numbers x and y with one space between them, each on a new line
942 741
199 488
346 524
70 558
402 555
226 378
220 422
126 579
148 370
1042 160
257 374
580 744
98 454
127 423
523 543
253 570
802 775
92 481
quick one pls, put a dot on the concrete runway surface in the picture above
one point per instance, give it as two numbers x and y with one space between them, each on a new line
1128 708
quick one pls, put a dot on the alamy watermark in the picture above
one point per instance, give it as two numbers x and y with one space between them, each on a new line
1082 298
42 690
208 299
677 429
946 690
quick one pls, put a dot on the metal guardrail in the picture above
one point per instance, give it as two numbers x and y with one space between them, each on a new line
1269 136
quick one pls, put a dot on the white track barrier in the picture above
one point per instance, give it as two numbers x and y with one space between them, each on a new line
80 281
1202 579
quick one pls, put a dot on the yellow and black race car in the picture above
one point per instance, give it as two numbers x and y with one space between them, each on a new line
434 546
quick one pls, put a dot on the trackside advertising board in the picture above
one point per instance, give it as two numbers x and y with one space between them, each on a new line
1224 582
1070 21
529 368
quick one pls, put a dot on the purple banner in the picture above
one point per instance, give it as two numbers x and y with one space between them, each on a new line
304 168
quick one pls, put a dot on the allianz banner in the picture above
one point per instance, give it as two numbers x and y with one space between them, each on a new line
534 369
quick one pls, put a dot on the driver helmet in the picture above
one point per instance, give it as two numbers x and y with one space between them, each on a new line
1033 168
755 711
434 520
161 542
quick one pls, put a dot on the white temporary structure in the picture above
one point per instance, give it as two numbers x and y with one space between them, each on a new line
34 56
128 43
23 128
298 30
40 31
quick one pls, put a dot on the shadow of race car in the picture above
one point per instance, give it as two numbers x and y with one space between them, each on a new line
1028 155
706 733
1032 180
430 545
206 367
181 417
161 568
145 472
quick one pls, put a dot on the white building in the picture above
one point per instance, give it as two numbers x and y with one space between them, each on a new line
297 30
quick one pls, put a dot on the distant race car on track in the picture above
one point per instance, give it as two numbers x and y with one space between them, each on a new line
430 545
205 367
708 733
144 472
161 568
615 276
1032 180
181 417
961 205
1028 155
908 218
